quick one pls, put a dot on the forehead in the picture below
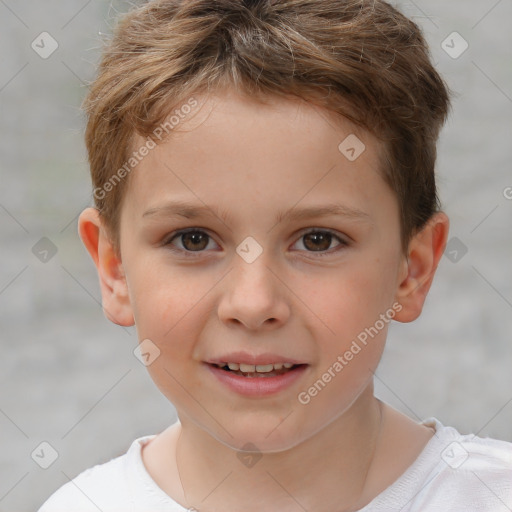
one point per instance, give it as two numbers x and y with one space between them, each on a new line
232 150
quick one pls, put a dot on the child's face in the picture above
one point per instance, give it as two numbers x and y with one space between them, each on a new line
304 299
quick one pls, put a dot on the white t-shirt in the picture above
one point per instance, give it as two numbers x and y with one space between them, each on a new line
453 473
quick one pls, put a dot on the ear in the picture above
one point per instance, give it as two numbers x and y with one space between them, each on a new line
114 289
424 253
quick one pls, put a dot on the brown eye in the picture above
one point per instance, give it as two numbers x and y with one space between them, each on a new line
193 240
319 241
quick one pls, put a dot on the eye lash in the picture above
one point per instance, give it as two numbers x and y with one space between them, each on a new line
194 254
176 234
343 243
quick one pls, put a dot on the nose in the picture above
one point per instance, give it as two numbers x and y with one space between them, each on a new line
253 296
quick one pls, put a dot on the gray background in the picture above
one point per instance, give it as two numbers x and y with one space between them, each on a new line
69 377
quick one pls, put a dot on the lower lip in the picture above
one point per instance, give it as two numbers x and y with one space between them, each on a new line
257 386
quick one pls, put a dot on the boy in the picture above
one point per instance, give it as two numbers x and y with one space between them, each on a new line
229 141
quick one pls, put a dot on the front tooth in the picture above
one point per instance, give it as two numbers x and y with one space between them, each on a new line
287 365
247 368
264 368
234 366
278 366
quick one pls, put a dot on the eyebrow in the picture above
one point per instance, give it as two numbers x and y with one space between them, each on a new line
194 211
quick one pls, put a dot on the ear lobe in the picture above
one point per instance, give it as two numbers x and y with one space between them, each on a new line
114 289
425 251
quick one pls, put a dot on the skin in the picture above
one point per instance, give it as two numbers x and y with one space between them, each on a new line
250 161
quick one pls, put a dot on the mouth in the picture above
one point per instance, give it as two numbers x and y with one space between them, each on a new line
252 371
257 381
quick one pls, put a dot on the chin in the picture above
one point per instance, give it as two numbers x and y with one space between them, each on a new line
265 435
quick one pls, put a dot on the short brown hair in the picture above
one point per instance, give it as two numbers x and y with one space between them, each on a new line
361 59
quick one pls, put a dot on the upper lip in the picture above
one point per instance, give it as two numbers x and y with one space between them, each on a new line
255 359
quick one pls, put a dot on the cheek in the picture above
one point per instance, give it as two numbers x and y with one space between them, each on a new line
349 300
171 310
164 299
350 339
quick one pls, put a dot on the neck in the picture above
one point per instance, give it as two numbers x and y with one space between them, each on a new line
326 472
